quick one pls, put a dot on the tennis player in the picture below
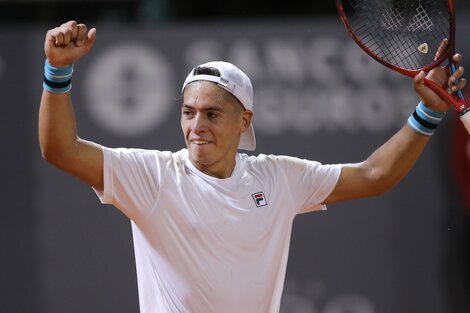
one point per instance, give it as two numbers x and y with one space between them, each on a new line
212 226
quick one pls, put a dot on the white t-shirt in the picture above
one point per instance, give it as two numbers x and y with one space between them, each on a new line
209 245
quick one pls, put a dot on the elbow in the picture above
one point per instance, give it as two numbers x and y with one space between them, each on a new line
49 154
47 149
46 152
53 154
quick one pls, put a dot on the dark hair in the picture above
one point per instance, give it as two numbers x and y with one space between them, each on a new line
206 70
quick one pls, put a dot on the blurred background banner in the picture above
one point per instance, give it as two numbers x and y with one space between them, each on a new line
317 96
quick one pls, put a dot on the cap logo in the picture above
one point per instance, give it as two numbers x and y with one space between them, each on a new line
224 81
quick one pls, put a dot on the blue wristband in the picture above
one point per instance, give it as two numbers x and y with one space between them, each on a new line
57 79
424 120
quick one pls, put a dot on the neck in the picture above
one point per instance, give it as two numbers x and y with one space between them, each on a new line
218 170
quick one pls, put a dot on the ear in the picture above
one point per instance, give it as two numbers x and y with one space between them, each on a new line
246 120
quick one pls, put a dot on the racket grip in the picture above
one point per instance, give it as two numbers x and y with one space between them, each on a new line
465 118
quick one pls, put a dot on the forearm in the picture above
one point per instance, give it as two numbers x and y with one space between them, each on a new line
60 144
390 163
382 170
57 126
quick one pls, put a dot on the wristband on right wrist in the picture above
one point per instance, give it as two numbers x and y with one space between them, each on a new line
424 120
57 79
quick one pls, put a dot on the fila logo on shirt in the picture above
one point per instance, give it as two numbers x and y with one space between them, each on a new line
259 198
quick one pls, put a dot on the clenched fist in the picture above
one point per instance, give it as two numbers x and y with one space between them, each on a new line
66 44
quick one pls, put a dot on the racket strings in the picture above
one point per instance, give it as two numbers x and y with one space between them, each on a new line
420 21
403 33
392 19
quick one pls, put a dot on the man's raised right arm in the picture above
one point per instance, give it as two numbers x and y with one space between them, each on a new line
58 139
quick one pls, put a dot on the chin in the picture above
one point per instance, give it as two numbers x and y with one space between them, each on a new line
198 156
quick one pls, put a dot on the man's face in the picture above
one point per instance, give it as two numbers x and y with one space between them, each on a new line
212 121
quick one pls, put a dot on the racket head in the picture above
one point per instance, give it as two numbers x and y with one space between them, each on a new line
403 35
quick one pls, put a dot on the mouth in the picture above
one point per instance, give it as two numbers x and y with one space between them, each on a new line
200 142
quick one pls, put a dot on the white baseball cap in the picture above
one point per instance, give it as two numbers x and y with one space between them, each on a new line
235 81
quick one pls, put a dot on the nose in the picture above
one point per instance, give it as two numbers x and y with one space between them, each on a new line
199 123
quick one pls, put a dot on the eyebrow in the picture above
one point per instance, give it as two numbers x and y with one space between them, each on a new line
211 108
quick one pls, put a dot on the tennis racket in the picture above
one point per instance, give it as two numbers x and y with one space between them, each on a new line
404 35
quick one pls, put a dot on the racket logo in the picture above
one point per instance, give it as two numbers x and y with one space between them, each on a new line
424 48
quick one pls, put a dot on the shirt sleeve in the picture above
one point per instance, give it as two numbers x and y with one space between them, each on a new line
132 180
310 182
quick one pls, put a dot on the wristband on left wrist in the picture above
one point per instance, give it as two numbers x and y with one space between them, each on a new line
424 120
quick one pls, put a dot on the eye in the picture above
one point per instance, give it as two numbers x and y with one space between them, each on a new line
211 114
187 113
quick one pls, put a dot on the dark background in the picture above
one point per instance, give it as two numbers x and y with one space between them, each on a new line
55 256
142 11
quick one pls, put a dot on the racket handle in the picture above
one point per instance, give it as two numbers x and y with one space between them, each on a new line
459 105
464 114
465 118
453 68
